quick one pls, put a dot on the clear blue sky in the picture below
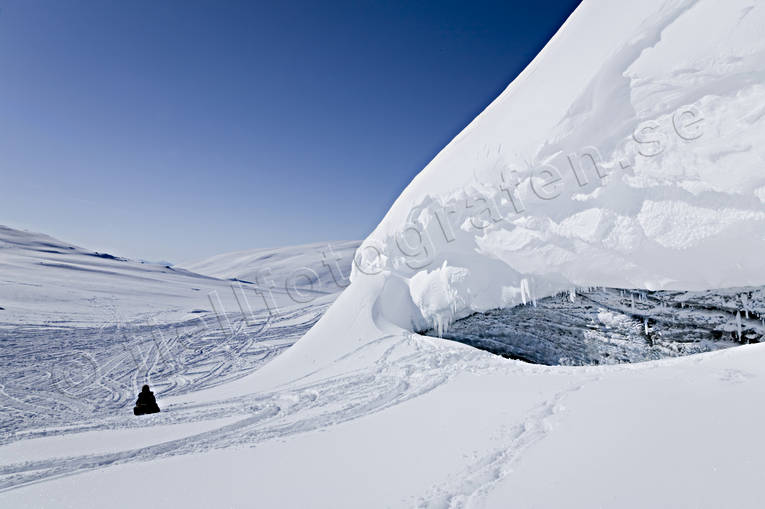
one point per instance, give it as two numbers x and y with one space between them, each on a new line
174 130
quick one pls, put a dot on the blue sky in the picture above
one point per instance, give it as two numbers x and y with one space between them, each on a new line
178 130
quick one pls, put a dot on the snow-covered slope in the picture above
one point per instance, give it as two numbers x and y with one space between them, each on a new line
427 424
667 98
81 330
361 412
44 279
662 98
322 266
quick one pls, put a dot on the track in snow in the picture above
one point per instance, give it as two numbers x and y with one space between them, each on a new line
53 376
408 367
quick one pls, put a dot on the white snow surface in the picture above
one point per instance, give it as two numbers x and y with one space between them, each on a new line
46 280
321 266
362 412
667 97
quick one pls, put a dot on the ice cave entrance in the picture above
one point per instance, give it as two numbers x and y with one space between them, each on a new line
612 325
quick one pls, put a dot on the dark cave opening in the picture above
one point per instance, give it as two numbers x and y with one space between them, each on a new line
613 325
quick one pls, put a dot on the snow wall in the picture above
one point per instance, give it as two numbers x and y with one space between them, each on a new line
630 153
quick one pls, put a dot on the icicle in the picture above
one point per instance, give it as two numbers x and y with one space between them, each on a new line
645 325
632 295
441 324
572 295
525 294
738 325
745 302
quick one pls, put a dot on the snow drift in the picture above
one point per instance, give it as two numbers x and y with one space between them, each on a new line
627 155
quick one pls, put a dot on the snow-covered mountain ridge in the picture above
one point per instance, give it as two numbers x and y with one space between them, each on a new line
324 266
47 280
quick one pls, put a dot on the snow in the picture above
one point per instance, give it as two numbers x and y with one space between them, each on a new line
46 279
665 99
82 331
361 411
548 438
318 267
102 442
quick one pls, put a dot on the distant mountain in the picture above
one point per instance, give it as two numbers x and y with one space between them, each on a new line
324 266
46 280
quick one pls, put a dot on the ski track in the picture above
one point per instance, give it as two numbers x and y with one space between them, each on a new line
470 487
410 366
55 376
180 358
189 357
